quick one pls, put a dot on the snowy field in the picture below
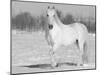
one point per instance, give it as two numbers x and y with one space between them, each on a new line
30 53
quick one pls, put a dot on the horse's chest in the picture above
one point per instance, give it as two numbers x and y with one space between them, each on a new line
55 34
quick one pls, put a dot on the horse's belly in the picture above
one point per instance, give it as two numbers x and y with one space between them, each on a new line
65 37
69 39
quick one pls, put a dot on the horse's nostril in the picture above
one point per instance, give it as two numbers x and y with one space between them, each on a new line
50 26
47 15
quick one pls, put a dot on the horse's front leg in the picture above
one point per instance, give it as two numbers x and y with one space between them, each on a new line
52 54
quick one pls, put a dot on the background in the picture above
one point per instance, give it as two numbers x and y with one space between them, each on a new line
5 36
30 52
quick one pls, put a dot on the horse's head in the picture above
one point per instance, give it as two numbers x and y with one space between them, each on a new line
51 12
52 17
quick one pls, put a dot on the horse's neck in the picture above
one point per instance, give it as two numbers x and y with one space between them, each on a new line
58 21
56 28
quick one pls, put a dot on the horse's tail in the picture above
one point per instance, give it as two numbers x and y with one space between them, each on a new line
85 52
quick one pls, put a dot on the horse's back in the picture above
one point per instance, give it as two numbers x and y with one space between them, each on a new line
77 27
78 30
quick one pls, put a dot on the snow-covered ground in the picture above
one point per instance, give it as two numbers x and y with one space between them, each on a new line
32 49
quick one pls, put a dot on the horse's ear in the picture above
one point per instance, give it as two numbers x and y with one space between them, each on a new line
48 7
53 7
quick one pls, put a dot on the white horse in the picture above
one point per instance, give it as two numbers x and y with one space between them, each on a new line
59 34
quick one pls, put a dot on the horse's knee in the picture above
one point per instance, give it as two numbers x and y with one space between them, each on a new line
51 52
55 47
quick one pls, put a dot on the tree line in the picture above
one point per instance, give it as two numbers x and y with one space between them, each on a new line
25 21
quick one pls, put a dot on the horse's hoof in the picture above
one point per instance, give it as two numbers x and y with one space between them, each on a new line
79 64
86 65
54 65
83 65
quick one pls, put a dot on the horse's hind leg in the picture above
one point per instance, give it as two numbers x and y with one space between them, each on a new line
85 55
80 52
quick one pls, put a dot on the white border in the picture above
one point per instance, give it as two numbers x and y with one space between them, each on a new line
5 36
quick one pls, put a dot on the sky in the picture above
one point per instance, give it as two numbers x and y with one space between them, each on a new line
37 8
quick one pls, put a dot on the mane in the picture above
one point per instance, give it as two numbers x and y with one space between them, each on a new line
57 19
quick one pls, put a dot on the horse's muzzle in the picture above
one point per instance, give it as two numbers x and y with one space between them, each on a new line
50 26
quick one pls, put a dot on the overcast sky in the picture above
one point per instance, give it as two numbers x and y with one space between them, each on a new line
40 8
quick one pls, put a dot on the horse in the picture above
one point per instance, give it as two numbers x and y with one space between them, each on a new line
59 34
